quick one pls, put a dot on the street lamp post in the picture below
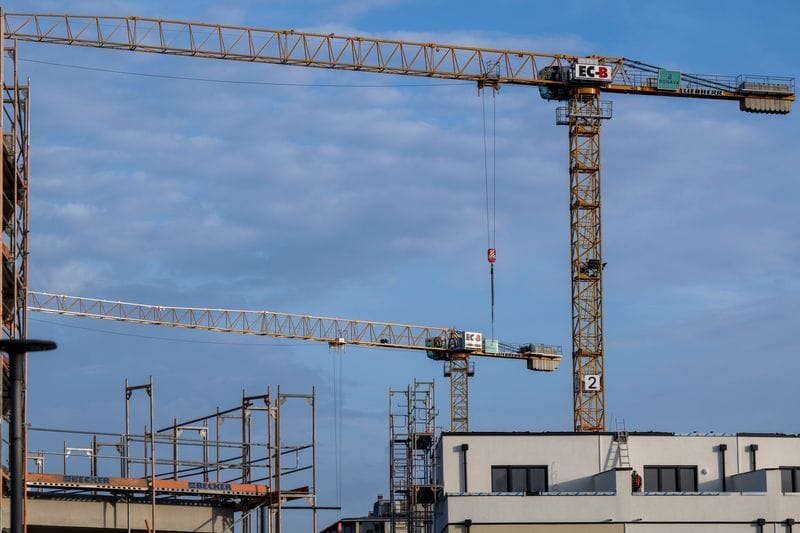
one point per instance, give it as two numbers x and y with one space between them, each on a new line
16 350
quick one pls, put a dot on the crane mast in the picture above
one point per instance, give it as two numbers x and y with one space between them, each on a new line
585 111
577 81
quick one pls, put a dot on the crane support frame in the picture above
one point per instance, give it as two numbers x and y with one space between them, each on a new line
585 115
459 392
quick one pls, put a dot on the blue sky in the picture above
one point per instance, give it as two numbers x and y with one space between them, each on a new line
368 203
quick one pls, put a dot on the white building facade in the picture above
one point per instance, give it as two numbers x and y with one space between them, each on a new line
582 482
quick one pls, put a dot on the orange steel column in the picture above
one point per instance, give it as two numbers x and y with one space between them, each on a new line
584 114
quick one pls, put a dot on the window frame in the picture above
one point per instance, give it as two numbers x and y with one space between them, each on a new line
794 478
528 469
677 471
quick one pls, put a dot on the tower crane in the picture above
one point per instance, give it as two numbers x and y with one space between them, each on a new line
576 81
440 344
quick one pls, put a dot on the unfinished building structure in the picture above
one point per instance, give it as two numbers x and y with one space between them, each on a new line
231 468
14 209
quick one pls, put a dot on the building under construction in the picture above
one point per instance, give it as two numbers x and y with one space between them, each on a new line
236 468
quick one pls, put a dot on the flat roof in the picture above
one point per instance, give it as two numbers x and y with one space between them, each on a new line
608 433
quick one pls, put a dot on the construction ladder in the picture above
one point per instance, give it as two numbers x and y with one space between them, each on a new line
622 445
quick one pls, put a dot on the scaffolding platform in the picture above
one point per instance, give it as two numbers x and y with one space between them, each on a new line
162 486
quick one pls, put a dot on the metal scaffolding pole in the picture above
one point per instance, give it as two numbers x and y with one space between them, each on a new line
14 209
17 350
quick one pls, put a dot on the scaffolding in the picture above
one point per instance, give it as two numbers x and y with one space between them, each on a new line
412 458
14 178
235 458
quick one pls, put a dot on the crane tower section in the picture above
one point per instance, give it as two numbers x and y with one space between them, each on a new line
583 116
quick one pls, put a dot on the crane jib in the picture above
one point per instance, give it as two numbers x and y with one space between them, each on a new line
388 56
336 332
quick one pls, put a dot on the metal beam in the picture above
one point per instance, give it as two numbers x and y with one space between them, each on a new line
485 66
337 332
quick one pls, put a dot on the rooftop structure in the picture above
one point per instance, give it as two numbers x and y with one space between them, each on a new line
376 521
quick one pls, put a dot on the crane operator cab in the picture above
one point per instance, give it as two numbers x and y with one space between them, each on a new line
582 71
553 73
453 341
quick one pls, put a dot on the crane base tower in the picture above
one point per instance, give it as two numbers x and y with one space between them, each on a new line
583 114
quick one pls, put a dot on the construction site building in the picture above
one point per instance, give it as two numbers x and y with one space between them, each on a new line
376 521
582 482
239 469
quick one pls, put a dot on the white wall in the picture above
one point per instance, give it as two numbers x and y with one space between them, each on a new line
577 462
572 459
629 508
773 452
702 452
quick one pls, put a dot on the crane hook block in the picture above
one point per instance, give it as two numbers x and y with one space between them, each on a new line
492 255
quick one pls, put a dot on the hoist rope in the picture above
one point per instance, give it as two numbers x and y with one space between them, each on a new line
341 432
494 169
491 204
337 420
486 169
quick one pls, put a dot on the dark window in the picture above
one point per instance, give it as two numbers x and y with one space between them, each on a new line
790 478
519 479
499 479
651 479
687 479
787 483
537 478
670 479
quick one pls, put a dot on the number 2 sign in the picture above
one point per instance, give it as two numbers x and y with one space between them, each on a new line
591 383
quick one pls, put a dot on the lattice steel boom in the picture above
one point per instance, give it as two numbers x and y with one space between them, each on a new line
439 343
577 81
367 54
